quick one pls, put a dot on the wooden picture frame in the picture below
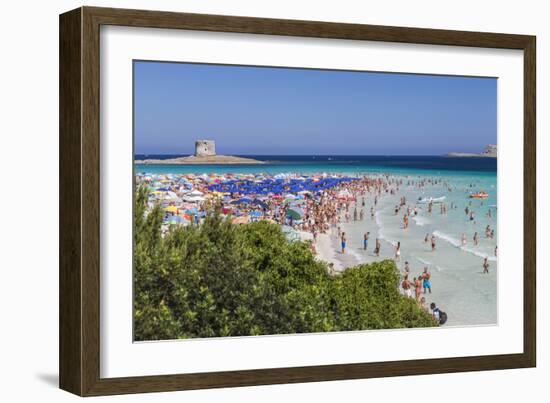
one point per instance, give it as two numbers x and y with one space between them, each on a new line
79 346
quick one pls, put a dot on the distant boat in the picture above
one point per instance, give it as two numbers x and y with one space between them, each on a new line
428 200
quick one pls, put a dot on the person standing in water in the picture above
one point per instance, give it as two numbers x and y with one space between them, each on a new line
486 266
406 285
426 282
343 239
417 288
398 252
433 242
366 240
377 247
463 239
475 239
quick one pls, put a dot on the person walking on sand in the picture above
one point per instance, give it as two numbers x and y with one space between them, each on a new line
406 285
366 240
343 239
426 282
486 266
433 242
398 252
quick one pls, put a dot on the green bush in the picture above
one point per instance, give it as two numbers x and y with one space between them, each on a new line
220 279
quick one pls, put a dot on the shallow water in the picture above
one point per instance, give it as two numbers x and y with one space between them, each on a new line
459 286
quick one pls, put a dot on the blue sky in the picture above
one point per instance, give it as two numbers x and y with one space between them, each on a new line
278 111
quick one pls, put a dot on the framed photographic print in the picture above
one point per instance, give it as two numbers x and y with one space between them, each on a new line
249 201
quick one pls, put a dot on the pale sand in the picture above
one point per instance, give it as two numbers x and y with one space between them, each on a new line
327 252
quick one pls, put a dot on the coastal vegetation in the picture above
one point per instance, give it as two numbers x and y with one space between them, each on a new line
218 279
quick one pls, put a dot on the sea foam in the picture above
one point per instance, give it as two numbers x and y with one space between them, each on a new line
456 243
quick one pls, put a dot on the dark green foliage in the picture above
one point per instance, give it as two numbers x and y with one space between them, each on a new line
219 279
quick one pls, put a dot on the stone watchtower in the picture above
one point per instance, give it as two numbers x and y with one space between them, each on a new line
205 148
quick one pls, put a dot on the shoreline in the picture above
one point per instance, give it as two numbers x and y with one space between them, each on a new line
458 284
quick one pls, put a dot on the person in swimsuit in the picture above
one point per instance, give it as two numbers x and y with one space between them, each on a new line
463 240
406 285
407 268
426 282
343 242
486 266
377 247
475 239
417 288
398 251
366 240
433 243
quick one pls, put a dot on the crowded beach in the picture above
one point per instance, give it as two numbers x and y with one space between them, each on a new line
338 215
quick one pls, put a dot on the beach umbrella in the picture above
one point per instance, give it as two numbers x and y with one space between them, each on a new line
171 209
170 195
176 219
260 203
242 200
295 214
194 198
256 214
192 210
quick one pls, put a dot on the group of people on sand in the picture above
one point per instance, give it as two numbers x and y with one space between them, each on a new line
420 283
